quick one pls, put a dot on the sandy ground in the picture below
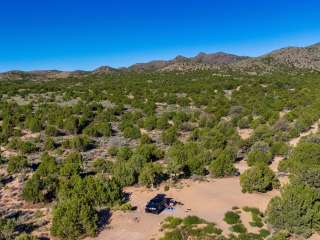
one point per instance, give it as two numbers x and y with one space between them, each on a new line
11 203
29 135
242 166
275 163
314 129
209 200
7 153
245 133
315 236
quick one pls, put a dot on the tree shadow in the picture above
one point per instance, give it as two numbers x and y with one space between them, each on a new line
126 196
6 180
104 218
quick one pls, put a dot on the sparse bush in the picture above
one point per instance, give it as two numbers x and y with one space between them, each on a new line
223 165
260 153
295 211
151 174
259 178
169 136
113 151
231 217
131 132
51 131
17 163
238 228
25 236
103 165
72 218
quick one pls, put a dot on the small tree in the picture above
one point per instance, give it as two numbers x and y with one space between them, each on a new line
145 139
71 124
162 122
296 211
260 153
150 122
223 165
32 190
259 178
72 165
49 144
98 129
169 136
102 165
17 164
131 132
151 174
72 218
33 124
25 236
51 131
43 183
7 228
308 176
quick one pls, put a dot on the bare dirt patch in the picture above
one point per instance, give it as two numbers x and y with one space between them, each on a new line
313 129
245 133
209 200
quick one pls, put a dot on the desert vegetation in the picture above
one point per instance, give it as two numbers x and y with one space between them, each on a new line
72 146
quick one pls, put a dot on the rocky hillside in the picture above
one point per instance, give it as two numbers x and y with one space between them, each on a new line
201 61
291 57
285 58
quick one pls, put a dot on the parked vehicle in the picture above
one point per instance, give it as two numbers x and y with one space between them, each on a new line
157 204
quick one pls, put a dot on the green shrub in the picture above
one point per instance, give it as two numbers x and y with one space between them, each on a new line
113 151
131 132
124 174
16 164
231 217
264 233
171 222
256 156
150 122
78 143
145 139
32 190
43 183
296 211
25 236
27 147
101 165
193 220
238 228
72 165
281 235
223 165
98 129
72 218
51 131
49 144
7 228
124 153
125 207
162 122
33 124
169 136
259 178
151 174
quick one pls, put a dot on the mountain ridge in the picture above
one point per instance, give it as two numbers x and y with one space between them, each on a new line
291 57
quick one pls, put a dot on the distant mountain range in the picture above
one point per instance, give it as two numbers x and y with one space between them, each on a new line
290 57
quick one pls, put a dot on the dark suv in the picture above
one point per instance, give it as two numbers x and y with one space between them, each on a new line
157 204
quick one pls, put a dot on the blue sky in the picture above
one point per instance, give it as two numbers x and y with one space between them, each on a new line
78 34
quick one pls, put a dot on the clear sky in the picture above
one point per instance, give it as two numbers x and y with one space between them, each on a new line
84 34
